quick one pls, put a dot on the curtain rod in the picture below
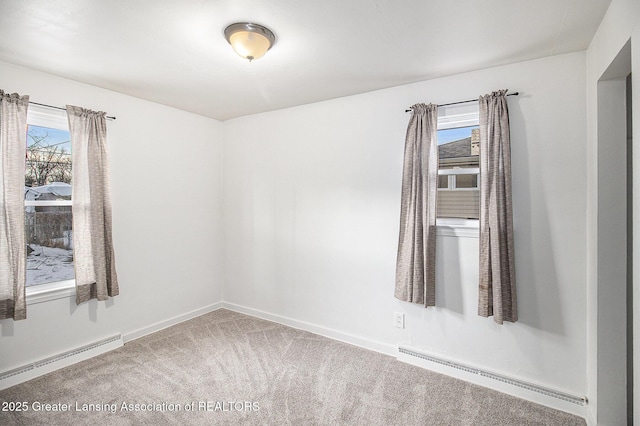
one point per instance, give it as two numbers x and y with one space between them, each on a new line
467 101
60 108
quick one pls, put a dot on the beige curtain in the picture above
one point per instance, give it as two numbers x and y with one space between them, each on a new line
497 264
415 268
92 239
13 261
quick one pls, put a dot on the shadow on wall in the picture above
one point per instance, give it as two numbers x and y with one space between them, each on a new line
539 303
7 327
449 274
538 293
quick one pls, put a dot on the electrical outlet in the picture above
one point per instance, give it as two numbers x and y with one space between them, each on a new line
398 319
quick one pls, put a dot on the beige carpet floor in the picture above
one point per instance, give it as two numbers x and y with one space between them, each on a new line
225 368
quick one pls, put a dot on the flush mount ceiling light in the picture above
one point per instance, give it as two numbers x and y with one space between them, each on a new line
251 41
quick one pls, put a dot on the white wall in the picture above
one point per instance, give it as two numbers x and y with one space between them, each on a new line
311 214
620 25
612 252
166 193
310 207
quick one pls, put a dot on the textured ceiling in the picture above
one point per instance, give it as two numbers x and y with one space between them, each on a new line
173 51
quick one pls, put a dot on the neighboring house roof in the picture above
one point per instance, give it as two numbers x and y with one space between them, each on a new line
455 149
57 189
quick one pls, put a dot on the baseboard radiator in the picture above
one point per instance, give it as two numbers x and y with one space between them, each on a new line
47 365
581 401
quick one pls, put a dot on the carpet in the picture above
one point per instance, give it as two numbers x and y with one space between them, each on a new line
226 368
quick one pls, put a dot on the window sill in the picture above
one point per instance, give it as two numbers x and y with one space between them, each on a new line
450 227
51 291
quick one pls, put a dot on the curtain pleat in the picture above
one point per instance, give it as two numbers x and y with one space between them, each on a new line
13 136
415 267
94 258
497 285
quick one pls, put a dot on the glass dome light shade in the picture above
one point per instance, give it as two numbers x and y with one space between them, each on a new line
250 41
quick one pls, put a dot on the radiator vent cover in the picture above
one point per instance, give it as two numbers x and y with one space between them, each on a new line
504 379
47 365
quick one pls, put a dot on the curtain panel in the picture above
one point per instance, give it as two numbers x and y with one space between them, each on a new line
94 257
497 285
13 260
415 267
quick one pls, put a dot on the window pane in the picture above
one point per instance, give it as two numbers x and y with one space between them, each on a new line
443 182
459 148
48 166
48 228
466 181
49 244
463 204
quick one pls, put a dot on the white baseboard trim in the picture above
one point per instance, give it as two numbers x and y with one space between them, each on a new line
590 418
56 362
316 329
35 369
161 325
576 407
529 391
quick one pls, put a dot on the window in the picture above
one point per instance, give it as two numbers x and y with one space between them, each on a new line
48 218
458 194
459 168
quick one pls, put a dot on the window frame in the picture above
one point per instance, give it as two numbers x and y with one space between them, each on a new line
453 117
452 173
55 119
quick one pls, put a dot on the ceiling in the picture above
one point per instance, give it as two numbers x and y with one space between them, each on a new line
173 51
